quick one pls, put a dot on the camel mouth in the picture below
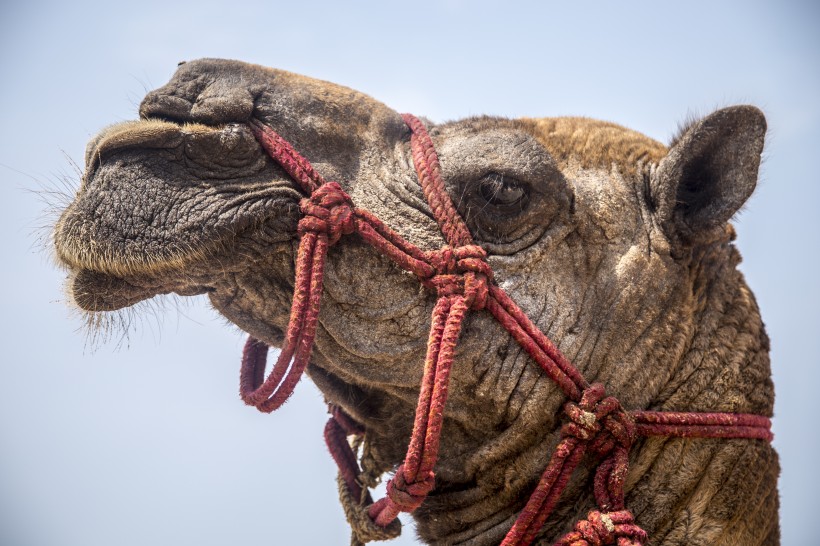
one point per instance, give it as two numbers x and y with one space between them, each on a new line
166 207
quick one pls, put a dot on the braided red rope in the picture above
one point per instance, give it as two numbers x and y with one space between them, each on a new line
463 281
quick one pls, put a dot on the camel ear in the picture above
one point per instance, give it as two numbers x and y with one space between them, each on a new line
709 172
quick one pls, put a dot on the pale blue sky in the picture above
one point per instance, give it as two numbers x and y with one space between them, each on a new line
148 443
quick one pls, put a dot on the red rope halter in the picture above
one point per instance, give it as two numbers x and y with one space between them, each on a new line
463 281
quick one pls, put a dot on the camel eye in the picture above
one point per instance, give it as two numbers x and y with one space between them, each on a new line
496 189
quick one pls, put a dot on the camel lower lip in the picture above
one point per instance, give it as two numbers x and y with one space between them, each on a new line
94 291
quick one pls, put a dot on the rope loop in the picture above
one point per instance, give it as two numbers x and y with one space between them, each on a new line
462 270
328 210
604 529
348 424
362 526
409 496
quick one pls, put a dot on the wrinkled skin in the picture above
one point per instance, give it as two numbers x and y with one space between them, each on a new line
615 245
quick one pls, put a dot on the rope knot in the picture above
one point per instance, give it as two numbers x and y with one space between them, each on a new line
462 270
603 529
599 418
328 210
409 496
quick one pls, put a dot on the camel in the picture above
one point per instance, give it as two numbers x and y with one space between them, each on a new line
615 246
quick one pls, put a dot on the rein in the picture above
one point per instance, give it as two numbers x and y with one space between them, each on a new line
462 280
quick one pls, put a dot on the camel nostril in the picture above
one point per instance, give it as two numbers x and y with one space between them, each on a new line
218 105
161 105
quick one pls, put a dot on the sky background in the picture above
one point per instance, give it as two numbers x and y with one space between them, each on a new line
146 441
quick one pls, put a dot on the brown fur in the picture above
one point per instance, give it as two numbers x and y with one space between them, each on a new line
595 144
620 252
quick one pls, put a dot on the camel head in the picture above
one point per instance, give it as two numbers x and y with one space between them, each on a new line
617 246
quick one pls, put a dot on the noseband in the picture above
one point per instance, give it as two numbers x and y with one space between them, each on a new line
462 280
